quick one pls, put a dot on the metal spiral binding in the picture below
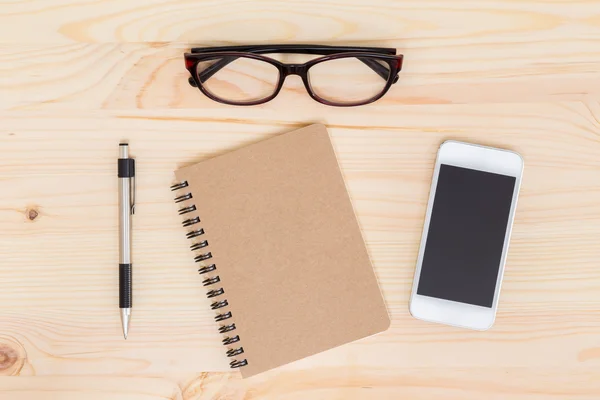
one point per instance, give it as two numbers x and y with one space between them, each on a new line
223 317
219 304
213 293
191 221
230 340
203 257
186 210
235 352
211 281
196 233
199 245
204 270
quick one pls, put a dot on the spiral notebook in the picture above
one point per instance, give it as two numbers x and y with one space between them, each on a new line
280 250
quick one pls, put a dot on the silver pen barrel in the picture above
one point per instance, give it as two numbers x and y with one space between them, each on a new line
124 222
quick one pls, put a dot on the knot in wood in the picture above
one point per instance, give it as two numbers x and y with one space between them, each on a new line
12 356
32 214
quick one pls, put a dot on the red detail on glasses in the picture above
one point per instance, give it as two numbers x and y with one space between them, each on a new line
189 63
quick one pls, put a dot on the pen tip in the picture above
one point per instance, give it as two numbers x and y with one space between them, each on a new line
125 318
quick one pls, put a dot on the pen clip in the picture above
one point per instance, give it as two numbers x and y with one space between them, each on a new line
132 194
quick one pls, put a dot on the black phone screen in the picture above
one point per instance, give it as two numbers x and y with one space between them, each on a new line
468 225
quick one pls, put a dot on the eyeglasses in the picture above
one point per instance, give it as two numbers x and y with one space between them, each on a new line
343 76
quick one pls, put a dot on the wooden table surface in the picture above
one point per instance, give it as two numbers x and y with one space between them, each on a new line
78 76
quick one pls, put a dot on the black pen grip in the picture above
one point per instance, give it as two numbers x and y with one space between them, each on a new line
125 285
126 167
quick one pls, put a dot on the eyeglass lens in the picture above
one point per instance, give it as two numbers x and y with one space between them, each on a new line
240 79
345 81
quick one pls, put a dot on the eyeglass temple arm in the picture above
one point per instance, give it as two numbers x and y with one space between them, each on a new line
296 48
380 69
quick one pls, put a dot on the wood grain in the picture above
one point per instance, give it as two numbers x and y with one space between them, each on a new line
78 76
92 388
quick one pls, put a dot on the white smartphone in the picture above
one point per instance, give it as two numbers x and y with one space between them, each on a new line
466 234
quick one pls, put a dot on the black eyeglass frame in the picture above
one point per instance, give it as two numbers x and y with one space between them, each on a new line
373 57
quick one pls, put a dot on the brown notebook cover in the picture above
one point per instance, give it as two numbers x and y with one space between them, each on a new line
287 248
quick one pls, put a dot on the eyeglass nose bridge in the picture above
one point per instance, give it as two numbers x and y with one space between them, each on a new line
294 69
